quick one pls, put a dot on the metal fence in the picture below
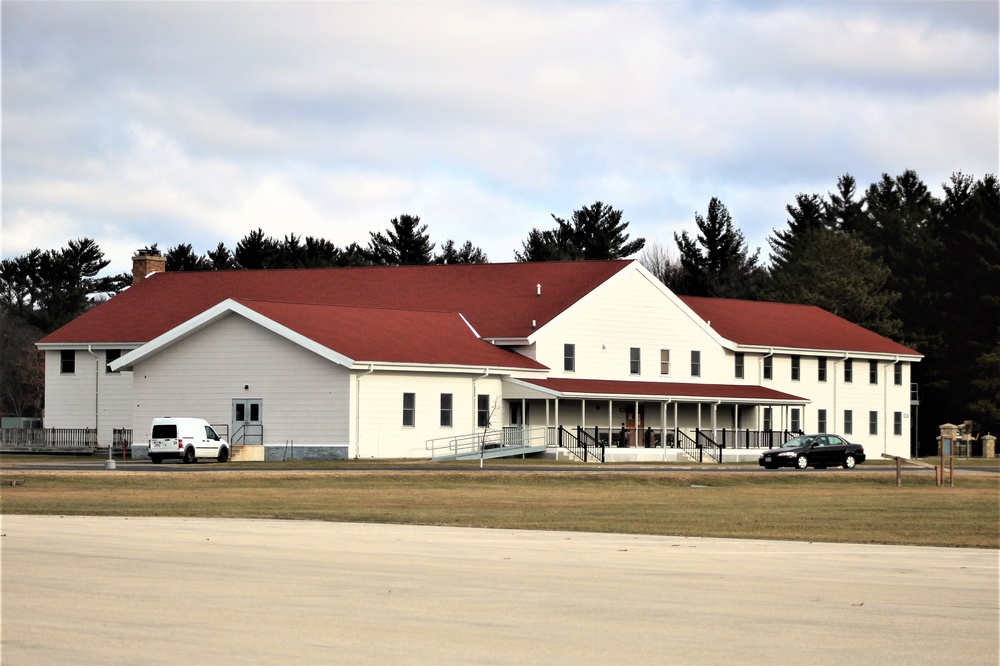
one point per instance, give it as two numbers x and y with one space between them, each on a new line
41 440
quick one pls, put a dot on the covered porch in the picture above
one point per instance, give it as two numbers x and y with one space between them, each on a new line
645 420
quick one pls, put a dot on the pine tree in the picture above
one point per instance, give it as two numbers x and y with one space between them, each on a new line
406 243
717 262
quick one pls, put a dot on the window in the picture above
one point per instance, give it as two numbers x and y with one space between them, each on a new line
848 422
897 423
569 358
409 409
796 368
897 374
873 372
483 410
696 364
872 423
109 356
739 365
821 371
446 410
634 365
848 370
67 361
768 367
796 420
767 418
664 361
821 420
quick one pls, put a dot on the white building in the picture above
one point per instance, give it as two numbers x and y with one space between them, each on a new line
403 362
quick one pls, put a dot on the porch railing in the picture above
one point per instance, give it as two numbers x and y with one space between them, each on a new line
586 445
751 439
686 444
708 446
41 440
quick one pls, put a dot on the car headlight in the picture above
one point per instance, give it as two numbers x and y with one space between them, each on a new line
788 454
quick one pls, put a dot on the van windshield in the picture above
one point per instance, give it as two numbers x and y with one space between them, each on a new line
165 431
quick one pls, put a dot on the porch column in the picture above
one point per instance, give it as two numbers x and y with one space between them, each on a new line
635 425
715 410
583 413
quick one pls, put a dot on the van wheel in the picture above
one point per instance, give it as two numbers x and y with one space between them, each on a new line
223 454
189 456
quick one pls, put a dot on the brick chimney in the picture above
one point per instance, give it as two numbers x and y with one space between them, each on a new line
147 261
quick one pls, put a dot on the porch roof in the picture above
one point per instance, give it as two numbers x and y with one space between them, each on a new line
675 391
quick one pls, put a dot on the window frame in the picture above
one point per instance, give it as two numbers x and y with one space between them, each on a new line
821 369
67 361
483 410
873 422
740 365
821 421
873 372
447 417
696 363
795 419
848 421
768 420
409 409
569 357
897 424
897 374
768 370
848 370
110 356
635 360
796 368
664 364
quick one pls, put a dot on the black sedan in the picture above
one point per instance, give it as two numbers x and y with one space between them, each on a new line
817 451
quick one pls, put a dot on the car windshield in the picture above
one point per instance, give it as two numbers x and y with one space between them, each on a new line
796 442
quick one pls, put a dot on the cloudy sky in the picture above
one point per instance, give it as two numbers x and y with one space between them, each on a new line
192 122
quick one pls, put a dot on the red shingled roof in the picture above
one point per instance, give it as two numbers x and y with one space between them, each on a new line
677 390
498 300
391 336
765 324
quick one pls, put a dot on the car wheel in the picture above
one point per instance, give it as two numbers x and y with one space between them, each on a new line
156 459
801 462
849 461
189 456
223 454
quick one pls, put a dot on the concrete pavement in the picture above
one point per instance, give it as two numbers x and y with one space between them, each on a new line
88 590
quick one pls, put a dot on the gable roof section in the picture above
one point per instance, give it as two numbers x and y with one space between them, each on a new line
586 388
498 300
788 326
347 335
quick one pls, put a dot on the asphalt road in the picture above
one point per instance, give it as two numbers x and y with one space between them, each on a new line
88 590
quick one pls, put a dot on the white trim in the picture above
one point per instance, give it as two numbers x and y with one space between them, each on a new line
577 395
214 314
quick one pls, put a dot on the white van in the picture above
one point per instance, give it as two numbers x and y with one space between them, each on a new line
187 439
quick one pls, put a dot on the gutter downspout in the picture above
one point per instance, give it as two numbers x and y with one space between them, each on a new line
97 385
836 361
760 382
357 416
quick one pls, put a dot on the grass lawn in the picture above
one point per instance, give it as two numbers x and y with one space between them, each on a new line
835 506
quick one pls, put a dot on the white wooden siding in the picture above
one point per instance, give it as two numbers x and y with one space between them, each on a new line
382 434
78 401
305 397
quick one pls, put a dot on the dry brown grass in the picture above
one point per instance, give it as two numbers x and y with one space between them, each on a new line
840 507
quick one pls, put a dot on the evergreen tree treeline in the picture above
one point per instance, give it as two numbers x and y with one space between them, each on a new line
922 270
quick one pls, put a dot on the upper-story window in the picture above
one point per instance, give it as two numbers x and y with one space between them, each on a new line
740 371
109 356
796 368
873 372
569 358
696 364
848 370
634 361
897 374
768 367
821 370
67 361
664 361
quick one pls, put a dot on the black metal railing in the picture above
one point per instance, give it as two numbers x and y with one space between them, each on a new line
249 433
688 445
708 446
751 439
121 440
581 444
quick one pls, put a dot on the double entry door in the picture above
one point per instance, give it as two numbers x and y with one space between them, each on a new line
248 421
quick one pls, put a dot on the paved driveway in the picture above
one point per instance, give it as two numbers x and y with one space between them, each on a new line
86 590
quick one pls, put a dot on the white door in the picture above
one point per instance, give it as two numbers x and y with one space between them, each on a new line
248 421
